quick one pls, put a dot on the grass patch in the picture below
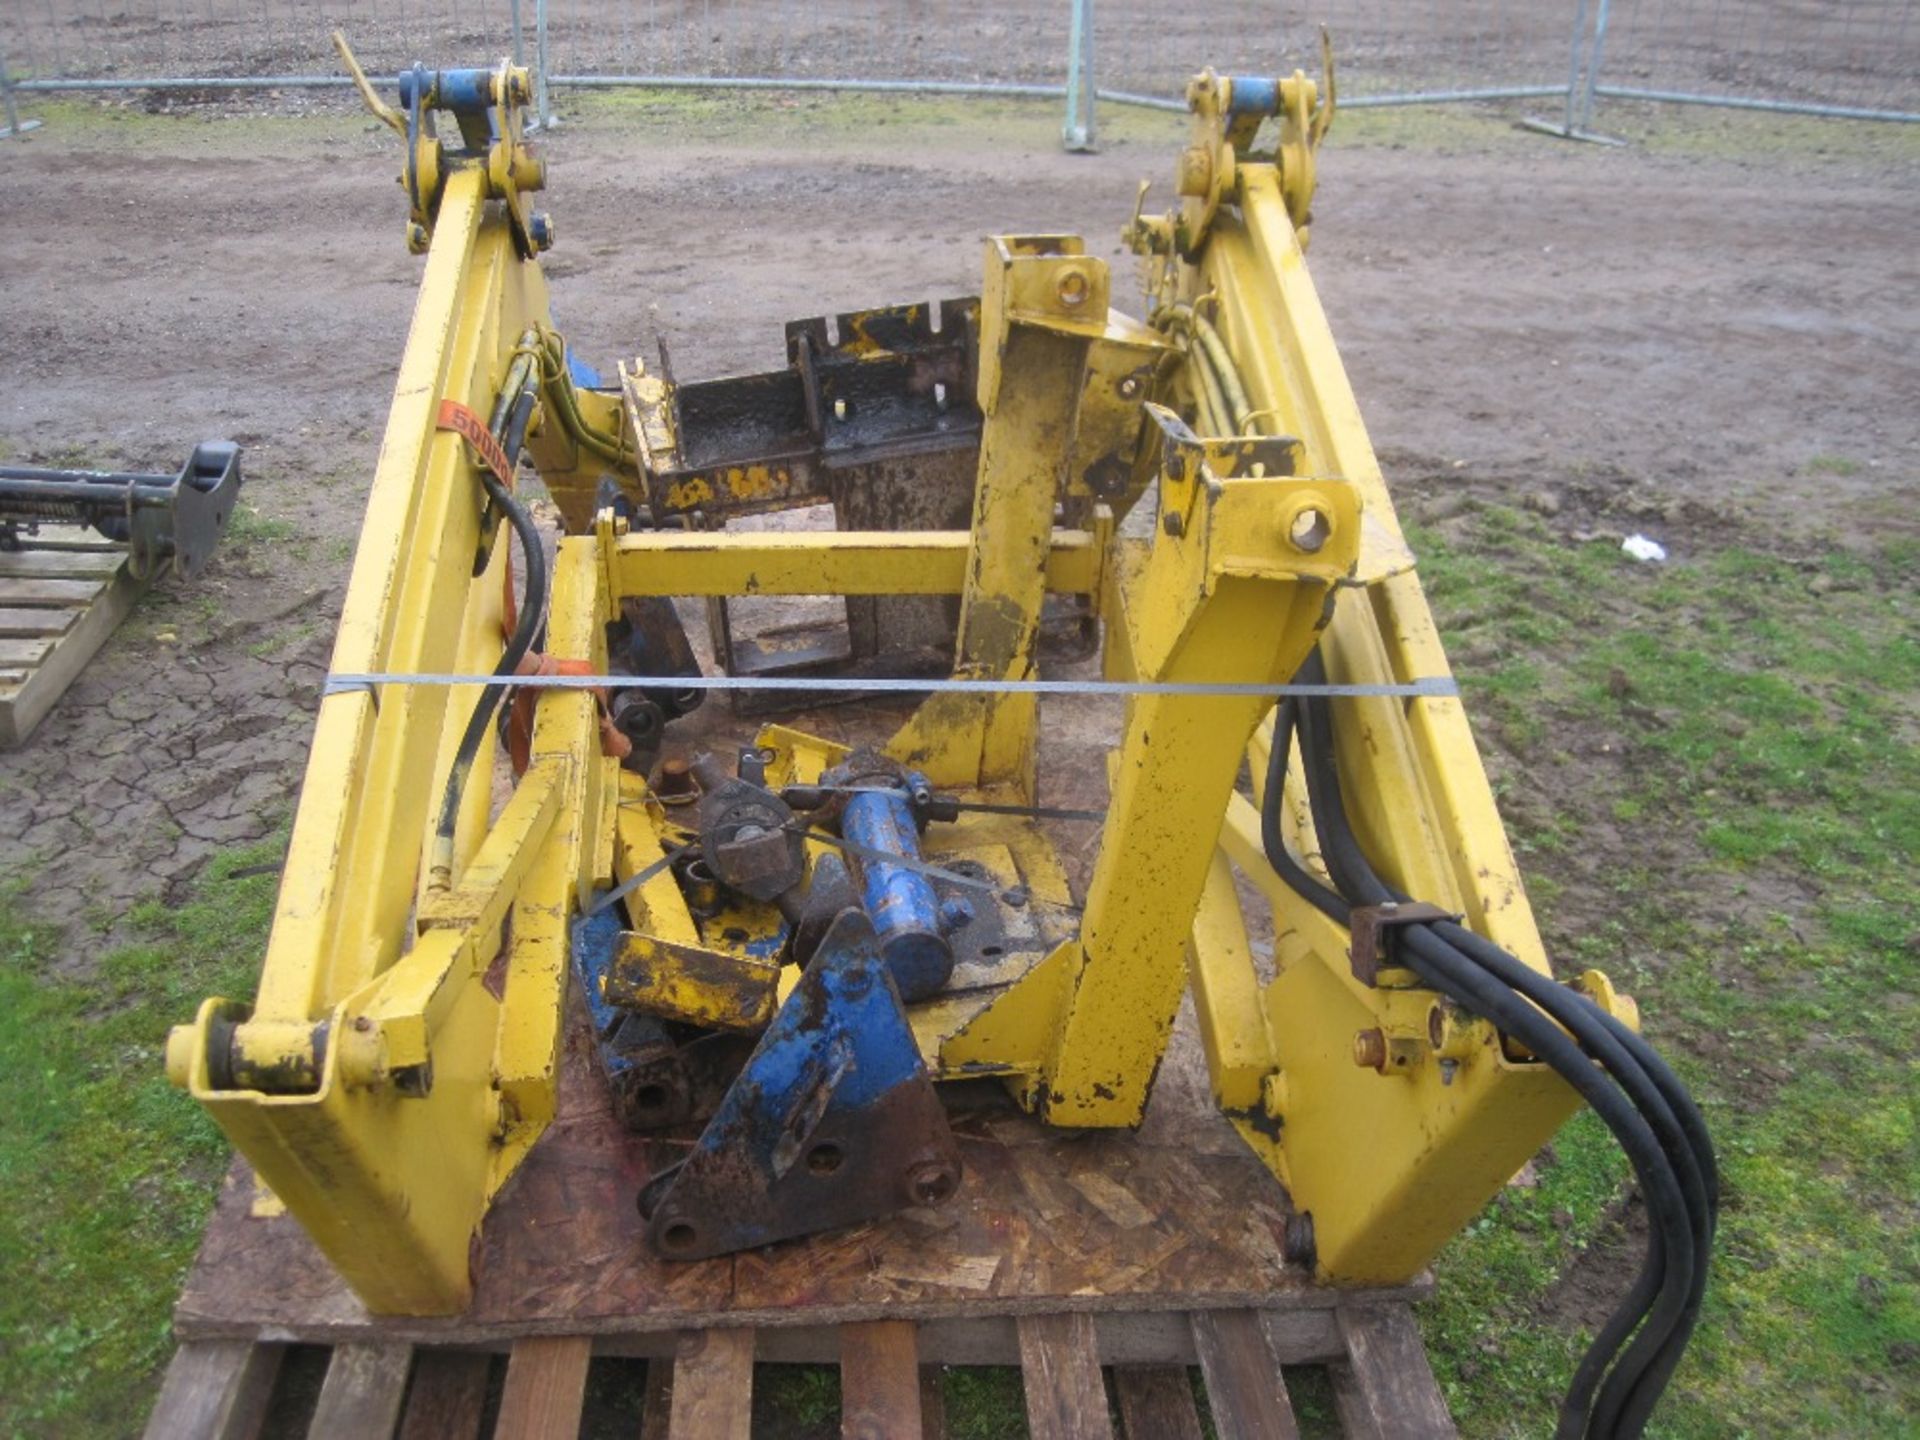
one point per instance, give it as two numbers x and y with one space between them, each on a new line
106 1172
1765 811
1832 465
248 525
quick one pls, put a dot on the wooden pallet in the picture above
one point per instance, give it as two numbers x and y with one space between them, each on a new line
1067 1255
58 605
699 1384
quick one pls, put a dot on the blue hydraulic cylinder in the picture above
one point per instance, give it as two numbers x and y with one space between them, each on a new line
901 903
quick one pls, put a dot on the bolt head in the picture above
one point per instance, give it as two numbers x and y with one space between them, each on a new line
931 1182
1298 1241
1370 1050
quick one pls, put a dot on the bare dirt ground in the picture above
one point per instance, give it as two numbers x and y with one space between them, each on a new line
1666 339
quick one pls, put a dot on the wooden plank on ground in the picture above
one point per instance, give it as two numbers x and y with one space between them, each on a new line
1156 1402
879 1381
22 709
35 623
713 1386
58 594
933 1403
546 1386
657 1413
1066 1396
59 564
1385 1388
216 1389
1245 1389
360 1398
28 652
448 1395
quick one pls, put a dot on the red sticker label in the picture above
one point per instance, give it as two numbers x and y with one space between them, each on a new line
463 422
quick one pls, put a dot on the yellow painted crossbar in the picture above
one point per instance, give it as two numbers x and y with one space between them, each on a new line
847 562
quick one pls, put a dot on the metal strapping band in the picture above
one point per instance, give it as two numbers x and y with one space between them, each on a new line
1427 688
635 881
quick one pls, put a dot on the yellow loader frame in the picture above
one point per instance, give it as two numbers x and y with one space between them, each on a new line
399 1059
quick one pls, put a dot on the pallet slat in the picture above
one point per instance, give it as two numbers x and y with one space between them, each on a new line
448 1396
933 1403
879 1381
59 564
657 1413
1386 1389
1245 1388
217 1389
34 623
1066 1394
713 1386
58 594
24 652
32 685
1156 1402
360 1398
546 1386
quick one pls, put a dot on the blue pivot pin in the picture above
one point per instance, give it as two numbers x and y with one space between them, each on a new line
834 1120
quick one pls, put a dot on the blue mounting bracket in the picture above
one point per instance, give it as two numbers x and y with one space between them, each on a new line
834 1120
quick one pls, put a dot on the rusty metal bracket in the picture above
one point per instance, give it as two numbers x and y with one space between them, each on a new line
1370 927
833 1121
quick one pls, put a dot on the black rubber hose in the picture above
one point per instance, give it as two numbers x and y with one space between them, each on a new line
1655 1299
1651 1113
1658 1303
1659 1094
1656 1348
1298 878
532 617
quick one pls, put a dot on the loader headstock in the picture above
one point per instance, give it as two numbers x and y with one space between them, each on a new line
488 109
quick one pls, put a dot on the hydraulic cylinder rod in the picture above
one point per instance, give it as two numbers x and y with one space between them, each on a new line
903 906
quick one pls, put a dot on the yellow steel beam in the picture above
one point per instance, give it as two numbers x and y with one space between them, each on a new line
1449 1116
352 859
1226 592
565 730
843 562
1053 417
396 1091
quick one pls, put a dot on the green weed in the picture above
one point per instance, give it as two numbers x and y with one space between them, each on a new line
106 1172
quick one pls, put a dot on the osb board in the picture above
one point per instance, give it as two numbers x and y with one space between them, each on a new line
1177 1216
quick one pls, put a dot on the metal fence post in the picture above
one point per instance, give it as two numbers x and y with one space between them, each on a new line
1573 62
15 127
1078 132
513 18
1593 68
1583 74
540 97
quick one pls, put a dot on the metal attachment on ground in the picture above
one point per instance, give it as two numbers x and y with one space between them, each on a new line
168 523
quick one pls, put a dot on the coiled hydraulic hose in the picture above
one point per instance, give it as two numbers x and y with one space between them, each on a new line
1635 1094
